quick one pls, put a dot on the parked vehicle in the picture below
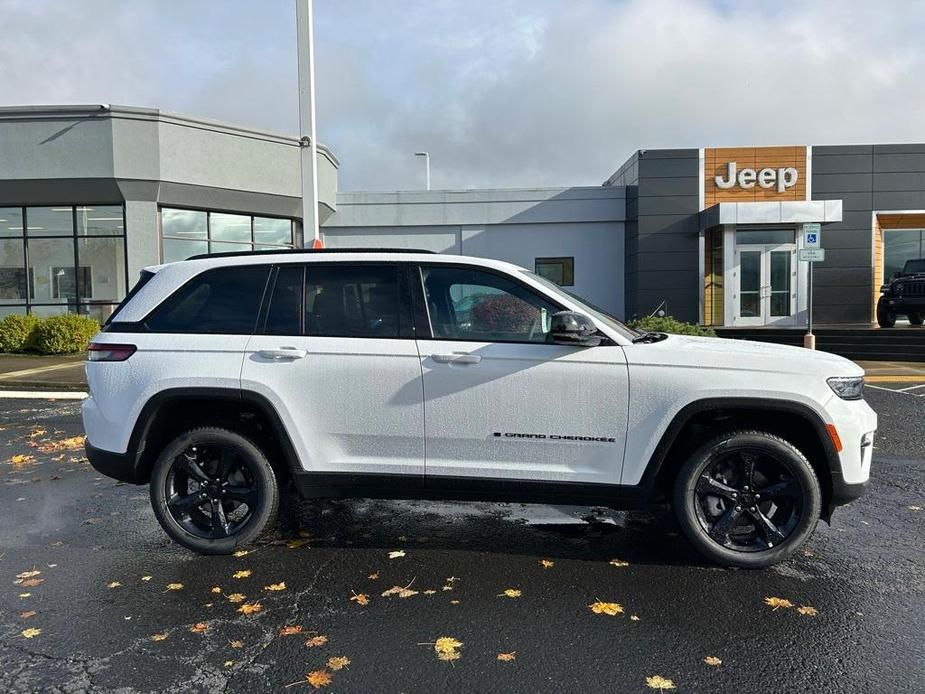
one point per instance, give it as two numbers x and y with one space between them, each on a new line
903 295
354 374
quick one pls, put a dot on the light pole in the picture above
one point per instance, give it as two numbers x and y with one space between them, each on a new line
305 39
426 165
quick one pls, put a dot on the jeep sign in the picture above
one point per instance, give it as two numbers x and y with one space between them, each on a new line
782 178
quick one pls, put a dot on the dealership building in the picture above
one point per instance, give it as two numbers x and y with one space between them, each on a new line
91 194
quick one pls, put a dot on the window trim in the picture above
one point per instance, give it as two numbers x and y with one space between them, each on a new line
568 261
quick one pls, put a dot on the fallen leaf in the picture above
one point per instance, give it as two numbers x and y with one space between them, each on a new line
31 633
338 662
447 648
619 563
634 618
360 598
70 444
318 678
174 586
510 592
28 574
216 589
250 608
712 660
290 630
146 578
276 586
807 610
236 597
454 602
295 544
21 460
244 573
159 637
373 576
547 563
24 595
430 592
242 553
659 682
236 644
316 641
114 584
608 608
27 614
229 663
777 603
397 554
506 657
914 508
452 579
400 591
30 582
199 628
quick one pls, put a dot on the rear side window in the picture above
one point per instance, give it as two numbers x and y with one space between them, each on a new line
143 279
223 301
340 301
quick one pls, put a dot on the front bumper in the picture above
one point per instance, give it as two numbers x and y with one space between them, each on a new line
118 466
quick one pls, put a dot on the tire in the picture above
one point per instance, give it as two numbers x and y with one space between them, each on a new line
793 498
916 318
886 317
214 517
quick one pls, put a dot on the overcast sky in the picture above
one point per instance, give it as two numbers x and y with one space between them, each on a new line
501 92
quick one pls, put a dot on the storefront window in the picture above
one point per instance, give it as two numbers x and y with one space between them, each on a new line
186 233
900 245
62 259
558 270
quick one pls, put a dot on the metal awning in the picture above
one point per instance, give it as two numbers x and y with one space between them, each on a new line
787 212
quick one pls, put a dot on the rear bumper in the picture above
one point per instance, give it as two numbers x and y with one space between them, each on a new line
119 466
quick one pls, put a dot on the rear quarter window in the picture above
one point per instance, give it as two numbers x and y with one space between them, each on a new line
220 301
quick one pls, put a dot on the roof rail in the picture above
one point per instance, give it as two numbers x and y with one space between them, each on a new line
286 251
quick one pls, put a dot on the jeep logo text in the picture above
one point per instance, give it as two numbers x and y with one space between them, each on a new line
782 178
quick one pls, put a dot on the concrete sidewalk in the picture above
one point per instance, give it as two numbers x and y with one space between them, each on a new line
27 372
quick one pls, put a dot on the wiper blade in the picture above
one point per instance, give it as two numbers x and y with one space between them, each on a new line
648 338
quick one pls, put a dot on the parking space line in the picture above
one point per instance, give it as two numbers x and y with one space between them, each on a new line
44 394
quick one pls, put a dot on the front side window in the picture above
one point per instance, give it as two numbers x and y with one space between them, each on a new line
221 301
469 304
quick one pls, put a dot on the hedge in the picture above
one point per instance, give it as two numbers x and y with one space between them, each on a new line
655 324
64 334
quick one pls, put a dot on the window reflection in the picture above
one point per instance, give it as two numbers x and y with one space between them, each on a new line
185 233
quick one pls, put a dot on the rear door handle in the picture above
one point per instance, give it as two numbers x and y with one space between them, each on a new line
456 358
283 353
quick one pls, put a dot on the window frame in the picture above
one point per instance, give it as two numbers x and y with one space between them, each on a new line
567 261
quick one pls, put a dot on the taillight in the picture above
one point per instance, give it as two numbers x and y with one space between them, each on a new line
100 351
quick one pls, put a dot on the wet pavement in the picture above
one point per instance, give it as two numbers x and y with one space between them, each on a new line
114 606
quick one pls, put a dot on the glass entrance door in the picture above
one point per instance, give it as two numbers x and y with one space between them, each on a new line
766 285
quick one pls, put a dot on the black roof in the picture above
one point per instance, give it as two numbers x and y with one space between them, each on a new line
287 251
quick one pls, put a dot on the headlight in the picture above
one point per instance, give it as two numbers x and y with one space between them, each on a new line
847 387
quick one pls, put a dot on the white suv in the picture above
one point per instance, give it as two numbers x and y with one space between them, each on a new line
412 375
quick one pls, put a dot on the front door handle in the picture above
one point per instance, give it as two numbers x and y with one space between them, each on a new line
283 353
456 358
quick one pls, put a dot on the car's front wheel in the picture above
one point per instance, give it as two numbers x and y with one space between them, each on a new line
747 499
213 490
916 318
886 317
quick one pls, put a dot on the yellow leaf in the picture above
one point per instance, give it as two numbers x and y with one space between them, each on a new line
114 584
454 602
400 591
510 592
338 662
547 563
242 553
229 663
807 610
777 603
21 459
236 597
634 618
244 573
276 586
146 578
447 648
236 644
360 598
318 678
316 641
28 574
159 637
659 682
712 660
70 444
24 595
174 586
608 608
619 563
199 628
295 544
397 554
216 589
290 630
506 657
430 592
31 633
250 608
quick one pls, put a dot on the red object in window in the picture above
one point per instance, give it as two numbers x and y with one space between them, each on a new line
317 243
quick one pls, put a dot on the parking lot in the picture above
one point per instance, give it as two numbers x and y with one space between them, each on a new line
376 596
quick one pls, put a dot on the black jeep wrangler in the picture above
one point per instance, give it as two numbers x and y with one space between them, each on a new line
905 294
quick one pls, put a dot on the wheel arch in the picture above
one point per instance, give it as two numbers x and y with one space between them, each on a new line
703 419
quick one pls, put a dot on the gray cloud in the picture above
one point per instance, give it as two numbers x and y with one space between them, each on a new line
507 93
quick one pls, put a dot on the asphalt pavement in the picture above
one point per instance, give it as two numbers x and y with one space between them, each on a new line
359 596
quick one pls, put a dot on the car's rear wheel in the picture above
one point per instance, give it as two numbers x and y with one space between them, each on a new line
747 499
886 317
915 318
213 491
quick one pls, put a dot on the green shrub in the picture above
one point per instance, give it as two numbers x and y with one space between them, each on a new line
64 334
17 332
654 324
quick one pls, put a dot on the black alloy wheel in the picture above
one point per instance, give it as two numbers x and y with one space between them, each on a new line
886 317
747 499
213 490
916 318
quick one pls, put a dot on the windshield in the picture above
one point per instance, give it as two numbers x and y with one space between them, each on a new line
587 306
914 267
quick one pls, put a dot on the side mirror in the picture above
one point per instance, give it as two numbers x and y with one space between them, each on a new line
572 328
